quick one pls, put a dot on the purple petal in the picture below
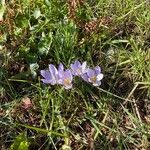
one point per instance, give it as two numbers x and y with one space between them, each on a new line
77 63
68 74
85 77
97 70
90 73
54 74
46 81
60 67
54 80
53 69
74 68
46 74
60 71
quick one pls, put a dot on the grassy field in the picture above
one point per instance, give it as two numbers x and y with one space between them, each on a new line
114 35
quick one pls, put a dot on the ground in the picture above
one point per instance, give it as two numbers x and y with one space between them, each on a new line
114 35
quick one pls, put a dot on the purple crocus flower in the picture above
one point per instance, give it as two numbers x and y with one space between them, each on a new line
78 69
60 76
66 79
52 76
93 76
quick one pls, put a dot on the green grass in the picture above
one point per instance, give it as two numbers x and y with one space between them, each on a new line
115 115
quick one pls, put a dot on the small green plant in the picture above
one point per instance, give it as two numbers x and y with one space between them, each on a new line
20 143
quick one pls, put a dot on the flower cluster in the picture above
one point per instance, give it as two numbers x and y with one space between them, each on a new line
65 76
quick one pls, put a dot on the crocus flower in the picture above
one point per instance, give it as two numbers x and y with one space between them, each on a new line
52 76
78 69
66 79
60 76
93 76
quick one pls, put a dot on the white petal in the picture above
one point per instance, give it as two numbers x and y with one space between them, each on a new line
84 65
67 87
97 83
89 80
100 77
